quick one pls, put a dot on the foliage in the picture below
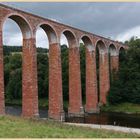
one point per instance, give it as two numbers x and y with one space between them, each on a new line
13 72
65 72
122 107
12 76
127 87
43 69
83 70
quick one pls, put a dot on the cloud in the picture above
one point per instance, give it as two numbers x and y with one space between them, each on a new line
129 33
41 39
11 34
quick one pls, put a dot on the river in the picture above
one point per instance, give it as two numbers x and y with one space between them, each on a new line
107 118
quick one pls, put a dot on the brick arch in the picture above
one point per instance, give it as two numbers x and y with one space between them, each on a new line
50 32
87 41
90 80
71 37
112 49
29 73
121 51
75 97
100 44
103 75
113 61
121 48
22 22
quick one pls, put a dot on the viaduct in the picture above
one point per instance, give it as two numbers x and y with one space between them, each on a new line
28 24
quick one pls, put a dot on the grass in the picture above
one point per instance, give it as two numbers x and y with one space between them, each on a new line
16 127
123 108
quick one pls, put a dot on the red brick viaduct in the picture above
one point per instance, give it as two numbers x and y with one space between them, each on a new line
28 24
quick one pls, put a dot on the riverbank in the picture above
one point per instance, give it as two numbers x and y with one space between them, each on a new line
127 108
17 127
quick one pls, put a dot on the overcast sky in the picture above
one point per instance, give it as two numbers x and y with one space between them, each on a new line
119 21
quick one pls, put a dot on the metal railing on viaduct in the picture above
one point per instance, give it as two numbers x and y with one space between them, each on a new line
28 24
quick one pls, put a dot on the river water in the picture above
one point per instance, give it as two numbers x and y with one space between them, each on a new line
118 119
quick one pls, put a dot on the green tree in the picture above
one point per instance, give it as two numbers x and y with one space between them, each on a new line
127 87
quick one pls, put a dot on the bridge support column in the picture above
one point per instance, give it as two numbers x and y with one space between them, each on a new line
104 76
2 102
114 60
55 83
75 96
29 79
114 63
91 83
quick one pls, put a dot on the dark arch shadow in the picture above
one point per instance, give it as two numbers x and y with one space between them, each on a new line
100 49
112 51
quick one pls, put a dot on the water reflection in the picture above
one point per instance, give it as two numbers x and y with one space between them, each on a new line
118 119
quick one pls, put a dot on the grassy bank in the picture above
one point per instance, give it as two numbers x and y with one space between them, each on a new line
123 108
16 127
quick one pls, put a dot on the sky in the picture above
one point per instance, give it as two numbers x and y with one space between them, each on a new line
118 21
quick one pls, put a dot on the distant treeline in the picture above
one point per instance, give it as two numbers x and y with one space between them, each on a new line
9 49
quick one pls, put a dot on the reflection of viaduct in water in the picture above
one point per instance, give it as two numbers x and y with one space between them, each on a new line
28 24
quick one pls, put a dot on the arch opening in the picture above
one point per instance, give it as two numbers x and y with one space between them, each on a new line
112 53
51 34
42 46
100 50
85 43
65 68
23 25
112 50
82 51
121 56
45 37
15 29
71 40
73 67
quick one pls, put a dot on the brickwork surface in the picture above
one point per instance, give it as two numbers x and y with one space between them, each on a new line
91 82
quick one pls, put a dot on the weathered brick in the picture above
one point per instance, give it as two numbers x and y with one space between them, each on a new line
91 83
55 83
75 97
104 76
29 79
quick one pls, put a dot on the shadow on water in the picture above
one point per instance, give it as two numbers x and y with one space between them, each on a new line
108 118
118 119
